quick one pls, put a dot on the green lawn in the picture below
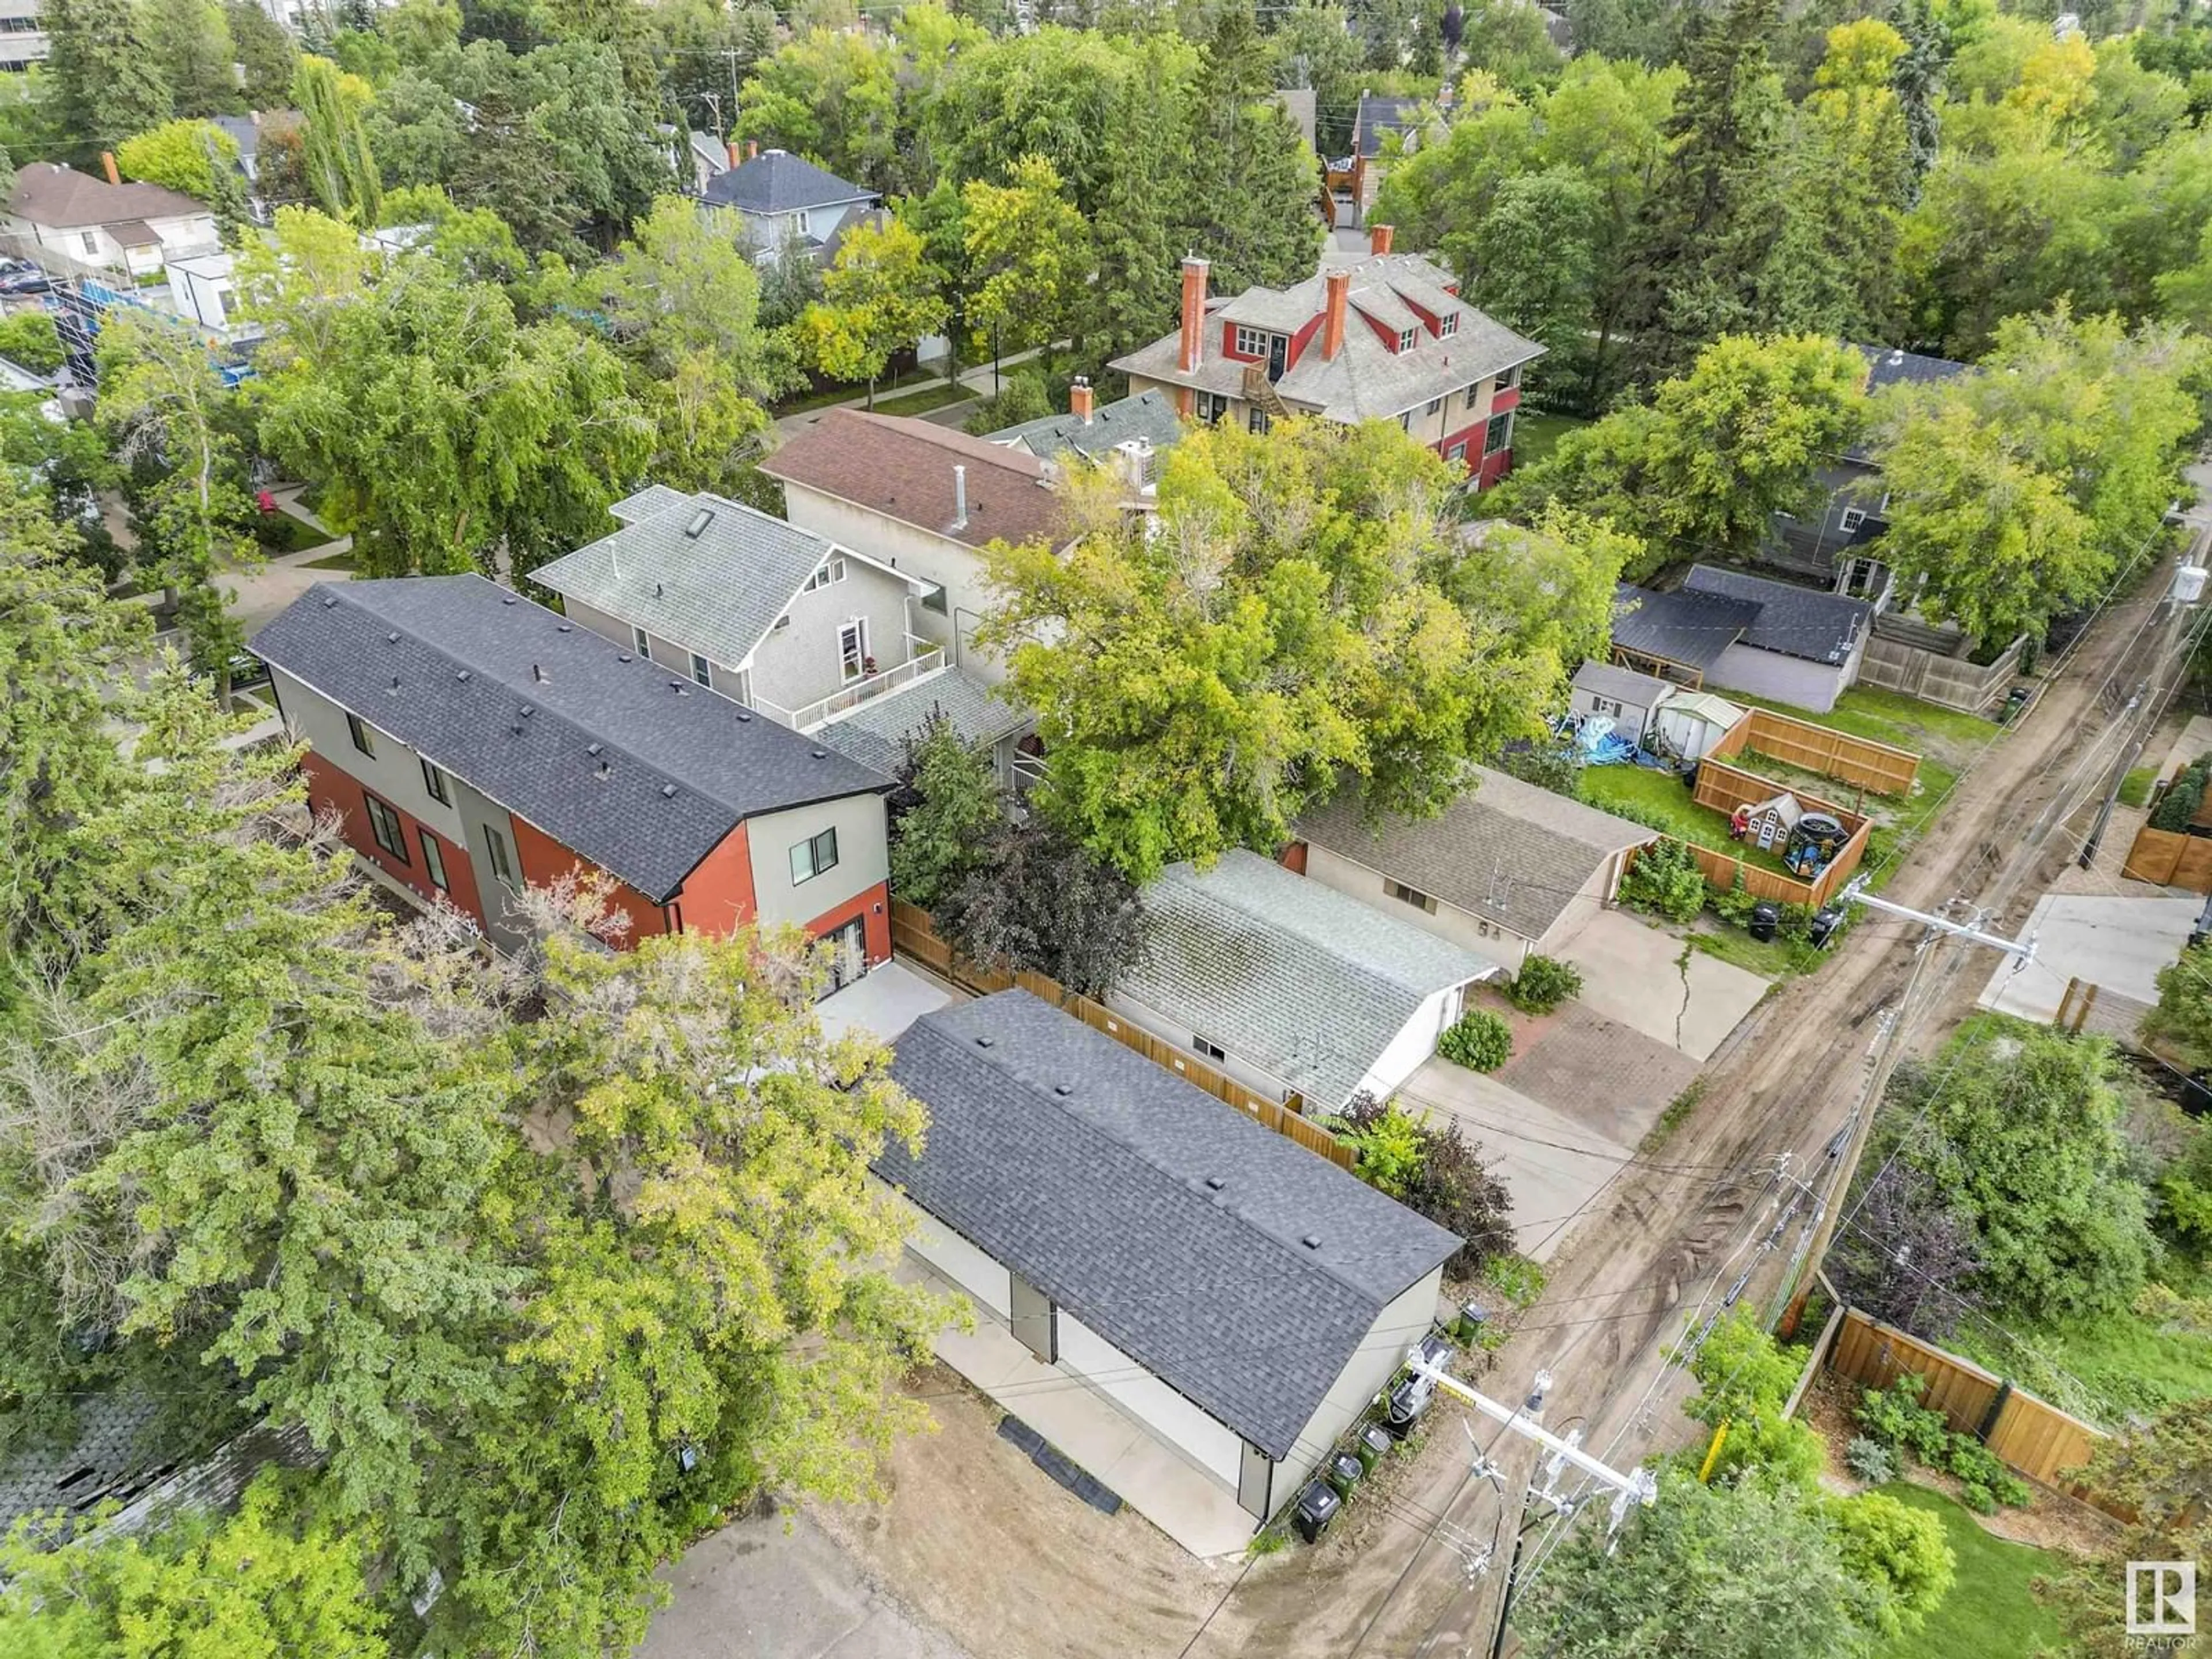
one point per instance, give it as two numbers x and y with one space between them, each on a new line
1990 1612
333 562
1776 958
2135 788
1536 434
280 533
837 394
1658 797
922 402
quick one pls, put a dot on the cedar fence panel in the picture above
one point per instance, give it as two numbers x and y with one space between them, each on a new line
1724 787
2030 1435
2171 859
913 936
1876 766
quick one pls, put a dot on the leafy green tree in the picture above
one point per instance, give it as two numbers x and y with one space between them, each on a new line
678 289
1313 45
1135 226
414 132
789 283
1251 178
63 465
1052 94
197 157
1291 619
1900 1551
2022 1135
2159 1471
101 76
1028 258
1513 44
698 46
164 404
255 1585
450 434
1716 453
420 31
1723 1573
952 810
831 96
340 170
30 340
193 44
2183 1017
2016 492
1038 899
881 295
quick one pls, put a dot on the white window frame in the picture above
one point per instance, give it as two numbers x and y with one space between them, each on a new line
1211 1050
1253 341
702 671
827 571
854 664
1505 441
1406 338
434 779
1474 397
1435 403
498 856
1448 324
1853 517
358 730
1457 451
383 816
1414 896
1512 380
91 242
1257 420
640 643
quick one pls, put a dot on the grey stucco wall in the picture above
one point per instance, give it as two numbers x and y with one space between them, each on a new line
863 858
799 663
1786 680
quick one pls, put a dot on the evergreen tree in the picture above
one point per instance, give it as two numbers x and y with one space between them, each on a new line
191 41
1709 227
1253 180
103 80
1134 227
341 171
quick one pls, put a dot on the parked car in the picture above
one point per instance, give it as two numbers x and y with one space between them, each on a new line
17 283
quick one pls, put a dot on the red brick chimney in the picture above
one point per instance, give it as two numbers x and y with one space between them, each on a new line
1338 284
1079 402
752 148
1194 314
107 165
1378 238
730 151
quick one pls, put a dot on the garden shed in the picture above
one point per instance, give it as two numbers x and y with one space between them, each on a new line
1687 726
1622 694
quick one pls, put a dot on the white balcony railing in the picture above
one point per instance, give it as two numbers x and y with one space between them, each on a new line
847 698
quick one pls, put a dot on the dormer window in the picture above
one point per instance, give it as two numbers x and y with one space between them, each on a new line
1252 341
1405 337
1449 325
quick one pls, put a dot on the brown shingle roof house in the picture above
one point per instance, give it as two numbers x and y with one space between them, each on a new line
905 470
47 193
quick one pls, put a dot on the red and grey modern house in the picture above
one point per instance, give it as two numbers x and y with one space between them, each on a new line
1373 336
473 743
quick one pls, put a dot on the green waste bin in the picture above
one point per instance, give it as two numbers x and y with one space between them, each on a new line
1469 1326
1374 1441
1343 1472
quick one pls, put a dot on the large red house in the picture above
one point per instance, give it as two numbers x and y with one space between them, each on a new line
473 743
1369 335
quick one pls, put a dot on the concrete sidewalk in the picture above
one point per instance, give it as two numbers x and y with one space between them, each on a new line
1638 976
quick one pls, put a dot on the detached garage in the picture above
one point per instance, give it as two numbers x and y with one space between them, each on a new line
1239 1298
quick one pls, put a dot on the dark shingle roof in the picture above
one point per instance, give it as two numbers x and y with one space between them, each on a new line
1793 621
1887 365
1543 846
902 469
1379 115
776 181
1689 629
445 664
1098 1197
1149 416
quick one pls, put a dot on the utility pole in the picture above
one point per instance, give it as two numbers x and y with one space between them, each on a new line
1511 1466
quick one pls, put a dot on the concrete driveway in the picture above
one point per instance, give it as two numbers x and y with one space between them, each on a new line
2117 945
778 1585
1639 976
1551 1163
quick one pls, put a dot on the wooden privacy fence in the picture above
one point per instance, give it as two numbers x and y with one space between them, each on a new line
1724 788
2037 1439
1856 761
2171 859
912 935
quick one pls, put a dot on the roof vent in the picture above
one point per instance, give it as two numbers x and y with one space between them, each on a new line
986 1043
1214 1183
595 750
1311 1240
657 592
464 677
509 600
528 710
565 628
395 682
391 639
329 601
821 753
696 528
1063 1088
537 673
668 791
745 714
605 771
622 656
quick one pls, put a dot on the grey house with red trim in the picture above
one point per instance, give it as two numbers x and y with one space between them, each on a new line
1373 336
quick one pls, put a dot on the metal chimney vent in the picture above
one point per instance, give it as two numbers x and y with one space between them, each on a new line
668 791
391 639
1311 1240
594 749
697 527
1214 1183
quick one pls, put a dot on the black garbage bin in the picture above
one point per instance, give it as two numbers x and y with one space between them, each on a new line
1343 1472
1317 1507
1374 1444
1407 1400
1825 920
1765 919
